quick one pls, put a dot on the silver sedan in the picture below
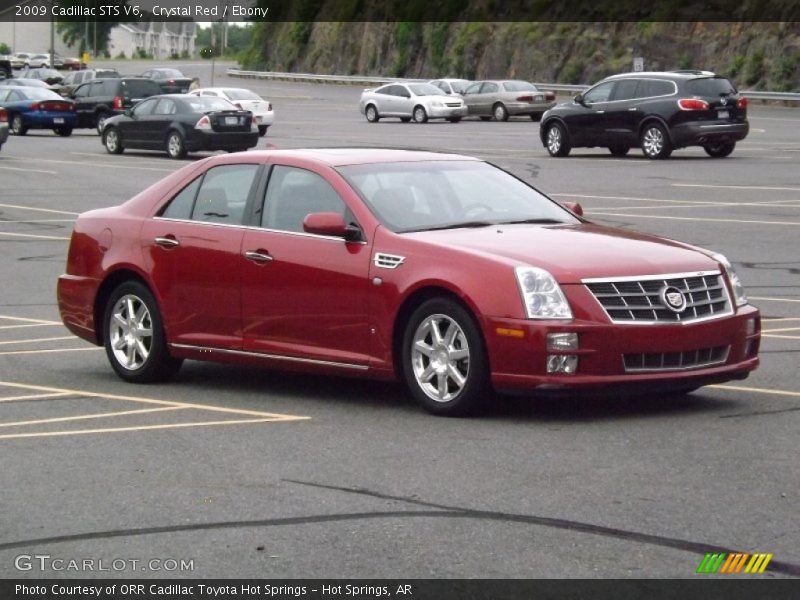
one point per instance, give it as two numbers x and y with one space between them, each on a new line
502 99
418 101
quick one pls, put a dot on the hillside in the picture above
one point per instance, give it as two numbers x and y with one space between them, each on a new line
754 55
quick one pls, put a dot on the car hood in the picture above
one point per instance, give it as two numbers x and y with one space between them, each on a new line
574 252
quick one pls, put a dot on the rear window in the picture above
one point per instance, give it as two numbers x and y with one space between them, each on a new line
710 86
519 86
168 74
40 94
138 88
201 104
241 95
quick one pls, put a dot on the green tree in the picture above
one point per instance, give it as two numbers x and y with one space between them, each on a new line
4 48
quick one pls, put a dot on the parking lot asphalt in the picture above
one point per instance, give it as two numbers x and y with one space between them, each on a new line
256 473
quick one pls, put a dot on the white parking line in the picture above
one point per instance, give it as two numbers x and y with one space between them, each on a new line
92 165
33 341
48 210
107 415
781 337
35 397
16 352
769 299
695 219
736 187
29 170
30 235
29 320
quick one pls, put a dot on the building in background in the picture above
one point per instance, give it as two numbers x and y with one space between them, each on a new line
157 39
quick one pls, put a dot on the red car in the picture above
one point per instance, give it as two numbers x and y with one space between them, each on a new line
440 270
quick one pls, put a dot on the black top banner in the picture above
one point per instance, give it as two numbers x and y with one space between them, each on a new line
133 11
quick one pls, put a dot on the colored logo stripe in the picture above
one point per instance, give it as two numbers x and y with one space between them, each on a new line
733 563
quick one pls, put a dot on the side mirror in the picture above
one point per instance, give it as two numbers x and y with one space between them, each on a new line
325 223
128 112
578 98
573 207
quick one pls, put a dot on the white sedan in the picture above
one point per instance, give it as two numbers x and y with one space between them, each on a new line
418 101
244 99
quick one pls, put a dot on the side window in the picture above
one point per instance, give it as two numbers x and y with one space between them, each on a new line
145 108
625 90
292 194
180 207
599 93
14 96
473 89
489 88
96 88
165 107
655 87
384 91
82 91
3 94
223 194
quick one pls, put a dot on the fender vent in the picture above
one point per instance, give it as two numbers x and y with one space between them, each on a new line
388 261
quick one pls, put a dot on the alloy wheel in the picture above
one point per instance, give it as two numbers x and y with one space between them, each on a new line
130 332
440 358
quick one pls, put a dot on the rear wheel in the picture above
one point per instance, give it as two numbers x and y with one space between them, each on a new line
371 113
405 119
536 116
420 116
486 118
100 121
655 142
454 119
176 148
619 150
557 140
17 125
112 141
63 130
134 336
444 361
262 130
500 112
719 149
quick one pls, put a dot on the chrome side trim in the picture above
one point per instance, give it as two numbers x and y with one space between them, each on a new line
388 261
312 361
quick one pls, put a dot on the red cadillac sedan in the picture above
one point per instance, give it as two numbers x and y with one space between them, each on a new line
439 270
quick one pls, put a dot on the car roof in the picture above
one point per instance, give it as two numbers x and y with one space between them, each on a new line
340 157
682 75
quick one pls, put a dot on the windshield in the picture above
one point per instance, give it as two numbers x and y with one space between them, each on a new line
241 95
201 104
710 86
416 196
425 89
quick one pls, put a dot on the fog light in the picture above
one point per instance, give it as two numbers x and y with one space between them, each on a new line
562 341
751 327
562 363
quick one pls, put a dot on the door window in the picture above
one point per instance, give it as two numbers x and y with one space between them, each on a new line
292 194
222 196
599 93
145 108
625 90
489 88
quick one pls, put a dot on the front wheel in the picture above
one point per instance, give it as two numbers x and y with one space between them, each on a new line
720 149
18 127
444 361
655 142
420 116
454 119
262 130
100 121
134 336
372 114
557 141
500 112
112 141
63 130
176 148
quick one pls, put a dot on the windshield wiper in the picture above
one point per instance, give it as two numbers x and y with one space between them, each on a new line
531 221
451 226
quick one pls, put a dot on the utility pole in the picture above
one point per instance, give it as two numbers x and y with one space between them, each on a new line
52 37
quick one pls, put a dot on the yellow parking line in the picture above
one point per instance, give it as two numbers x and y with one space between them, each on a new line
236 411
781 330
35 397
51 339
781 337
47 210
26 221
93 416
738 388
30 235
13 352
33 325
769 299
148 427
27 320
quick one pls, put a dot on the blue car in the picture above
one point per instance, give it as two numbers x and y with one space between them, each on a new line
37 108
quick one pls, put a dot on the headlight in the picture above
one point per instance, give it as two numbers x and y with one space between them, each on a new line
541 294
436 104
736 283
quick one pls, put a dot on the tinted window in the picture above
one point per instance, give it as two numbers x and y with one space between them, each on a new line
167 74
180 207
242 95
223 194
82 91
38 94
625 89
424 89
600 93
137 88
294 193
165 106
145 108
96 89
655 87
519 86
710 86
489 88
200 104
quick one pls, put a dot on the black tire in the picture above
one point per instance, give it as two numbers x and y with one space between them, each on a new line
371 112
485 118
500 112
448 396
405 119
719 149
619 150
536 117
18 127
557 140
454 119
63 130
112 141
100 121
655 142
175 146
262 130
420 114
134 355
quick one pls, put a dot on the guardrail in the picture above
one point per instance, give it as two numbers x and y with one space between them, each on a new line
367 80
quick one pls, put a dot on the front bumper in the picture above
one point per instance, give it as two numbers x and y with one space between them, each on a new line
519 360
202 140
446 112
702 132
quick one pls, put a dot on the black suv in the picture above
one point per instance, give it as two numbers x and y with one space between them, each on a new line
100 99
658 111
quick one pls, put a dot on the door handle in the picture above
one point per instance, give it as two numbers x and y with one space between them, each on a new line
600 112
633 109
259 256
166 242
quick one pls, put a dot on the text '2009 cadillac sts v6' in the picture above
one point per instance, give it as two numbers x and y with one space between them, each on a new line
440 270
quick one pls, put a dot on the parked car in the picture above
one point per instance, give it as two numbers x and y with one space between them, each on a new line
69 63
3 125
262 111
172 81
100 99
418 101
12 61
509 98
451 86
20 59
39 60
22 82
7 66
658 111
179 124
441 270
37 108
74 79
50 76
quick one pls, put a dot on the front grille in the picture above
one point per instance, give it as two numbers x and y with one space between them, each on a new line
675 361
640 300
453 104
